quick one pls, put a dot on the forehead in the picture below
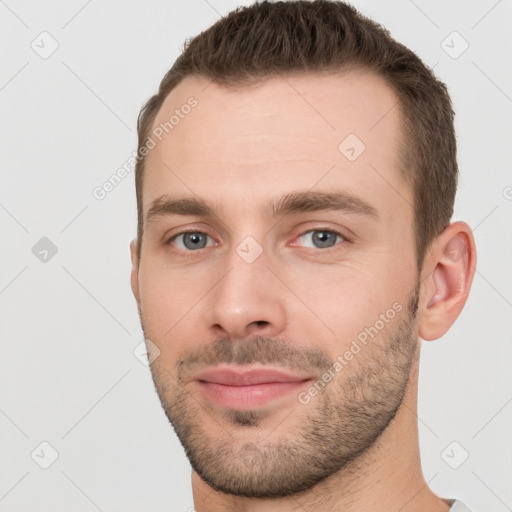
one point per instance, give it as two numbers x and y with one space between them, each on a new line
287 132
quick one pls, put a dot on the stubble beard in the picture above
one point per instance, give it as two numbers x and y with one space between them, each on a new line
339 425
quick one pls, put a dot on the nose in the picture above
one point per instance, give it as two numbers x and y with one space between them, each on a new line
247 300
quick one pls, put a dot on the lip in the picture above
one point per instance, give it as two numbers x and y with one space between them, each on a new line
247 388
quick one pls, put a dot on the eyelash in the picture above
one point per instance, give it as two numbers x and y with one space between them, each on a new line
327 249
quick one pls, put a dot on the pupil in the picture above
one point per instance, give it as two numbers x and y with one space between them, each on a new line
323 239
194 240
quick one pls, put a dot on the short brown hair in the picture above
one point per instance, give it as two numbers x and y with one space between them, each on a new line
267 39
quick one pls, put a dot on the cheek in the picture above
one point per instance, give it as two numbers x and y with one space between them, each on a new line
347 300
174 304
167 300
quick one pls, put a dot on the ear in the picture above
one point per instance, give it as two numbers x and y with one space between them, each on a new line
134 277
446 279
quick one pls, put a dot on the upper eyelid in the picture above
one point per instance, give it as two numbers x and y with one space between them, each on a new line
329 229
339 232
206 227
323 225
182 231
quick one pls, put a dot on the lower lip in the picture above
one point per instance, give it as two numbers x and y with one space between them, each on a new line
248 397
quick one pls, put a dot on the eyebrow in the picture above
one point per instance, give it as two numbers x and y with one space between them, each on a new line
294 202
165 205
298 202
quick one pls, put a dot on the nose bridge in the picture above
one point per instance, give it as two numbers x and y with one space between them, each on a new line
245 300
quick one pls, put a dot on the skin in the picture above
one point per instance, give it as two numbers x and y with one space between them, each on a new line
237 150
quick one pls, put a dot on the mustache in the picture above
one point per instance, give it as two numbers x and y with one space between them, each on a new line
262 350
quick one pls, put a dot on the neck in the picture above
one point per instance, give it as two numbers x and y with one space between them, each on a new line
387 477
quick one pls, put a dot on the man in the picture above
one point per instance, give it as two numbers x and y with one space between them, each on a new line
295 186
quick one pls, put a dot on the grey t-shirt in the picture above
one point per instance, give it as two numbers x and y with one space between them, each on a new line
458 506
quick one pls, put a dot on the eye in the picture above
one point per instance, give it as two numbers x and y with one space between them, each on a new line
192 241
320 239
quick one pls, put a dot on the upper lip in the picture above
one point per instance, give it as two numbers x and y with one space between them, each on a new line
247 376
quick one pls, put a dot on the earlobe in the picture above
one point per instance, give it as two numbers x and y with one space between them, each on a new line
134 276
449 267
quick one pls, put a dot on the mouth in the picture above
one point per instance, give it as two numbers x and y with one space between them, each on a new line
247 388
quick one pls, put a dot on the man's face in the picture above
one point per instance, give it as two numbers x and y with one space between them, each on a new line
278 276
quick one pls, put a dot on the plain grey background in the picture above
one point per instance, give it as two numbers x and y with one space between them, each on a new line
69 377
